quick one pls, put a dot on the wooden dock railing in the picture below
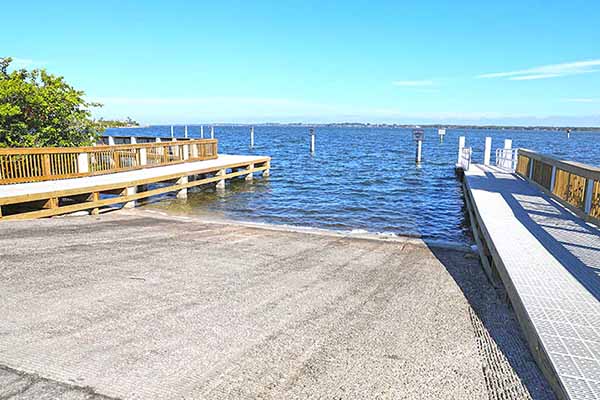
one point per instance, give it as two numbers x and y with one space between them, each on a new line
19 165
574 184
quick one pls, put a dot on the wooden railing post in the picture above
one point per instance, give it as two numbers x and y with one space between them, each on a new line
186 151
46 168
553 178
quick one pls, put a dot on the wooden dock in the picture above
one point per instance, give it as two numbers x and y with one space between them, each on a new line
533 238
44 182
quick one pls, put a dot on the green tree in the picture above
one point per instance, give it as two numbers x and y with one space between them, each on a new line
39 109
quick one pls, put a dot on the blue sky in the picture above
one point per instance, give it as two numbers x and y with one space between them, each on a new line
509 62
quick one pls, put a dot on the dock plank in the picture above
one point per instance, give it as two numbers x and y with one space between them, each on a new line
549 262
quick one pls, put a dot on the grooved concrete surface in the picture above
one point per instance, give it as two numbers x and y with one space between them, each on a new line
552 258
142 307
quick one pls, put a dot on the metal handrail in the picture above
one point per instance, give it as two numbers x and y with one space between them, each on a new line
465 158
507 159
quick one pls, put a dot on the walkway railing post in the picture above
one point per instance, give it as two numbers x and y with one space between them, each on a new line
552 177
461 146
83 163
530 173
589 193
487 151
186 151
143 156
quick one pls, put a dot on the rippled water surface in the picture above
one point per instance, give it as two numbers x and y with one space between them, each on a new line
359 178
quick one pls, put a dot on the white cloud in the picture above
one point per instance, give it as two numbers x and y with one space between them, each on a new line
582 100
548 71
18 63
424 82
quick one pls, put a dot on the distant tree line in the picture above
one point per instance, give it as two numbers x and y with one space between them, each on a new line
112 123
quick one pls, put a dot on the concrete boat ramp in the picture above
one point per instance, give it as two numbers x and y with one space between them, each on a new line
548 259
135 305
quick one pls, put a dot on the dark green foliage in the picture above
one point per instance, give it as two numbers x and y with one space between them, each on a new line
39 109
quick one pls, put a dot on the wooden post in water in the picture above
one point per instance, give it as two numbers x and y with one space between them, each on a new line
487 151
172 132
251 137
212 132
201 131
185 132
312 140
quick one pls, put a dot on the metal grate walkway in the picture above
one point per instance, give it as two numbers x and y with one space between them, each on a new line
549 262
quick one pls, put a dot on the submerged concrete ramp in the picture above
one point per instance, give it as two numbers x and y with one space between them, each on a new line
549 262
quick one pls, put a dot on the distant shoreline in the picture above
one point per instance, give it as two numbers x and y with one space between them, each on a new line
391 126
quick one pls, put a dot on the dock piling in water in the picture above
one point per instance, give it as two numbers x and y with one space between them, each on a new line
201 131
418 136
252 137
312 140
172 131
185 132
212 132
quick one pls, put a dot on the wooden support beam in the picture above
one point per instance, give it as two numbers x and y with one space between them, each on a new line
51 203
94 197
